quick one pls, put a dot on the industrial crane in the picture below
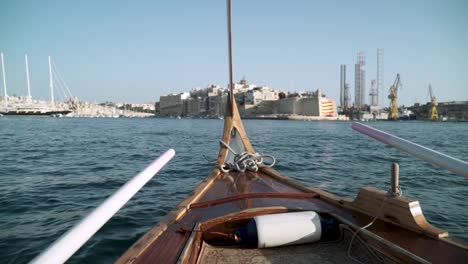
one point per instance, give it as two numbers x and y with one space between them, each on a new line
393 115
433 114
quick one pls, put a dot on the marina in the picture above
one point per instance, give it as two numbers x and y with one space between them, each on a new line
68 106
17 105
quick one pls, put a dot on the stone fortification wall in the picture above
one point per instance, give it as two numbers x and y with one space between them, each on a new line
308 106
287 106
264 108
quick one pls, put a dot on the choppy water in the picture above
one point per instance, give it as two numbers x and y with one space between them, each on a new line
55 171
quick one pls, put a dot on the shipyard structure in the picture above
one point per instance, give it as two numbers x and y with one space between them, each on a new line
447 111
253 101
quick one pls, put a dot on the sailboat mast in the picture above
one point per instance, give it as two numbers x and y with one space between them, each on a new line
51 83
4 82
231 83
27 77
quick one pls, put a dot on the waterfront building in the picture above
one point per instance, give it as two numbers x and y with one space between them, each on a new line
157 108
214 90
299 103
198 92
195 106
243 86
172 104
252 101
209 101
217 105
327 107
260 94
210 90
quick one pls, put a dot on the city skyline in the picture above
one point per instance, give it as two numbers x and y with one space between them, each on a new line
117 51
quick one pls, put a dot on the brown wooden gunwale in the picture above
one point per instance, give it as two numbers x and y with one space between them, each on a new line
167 247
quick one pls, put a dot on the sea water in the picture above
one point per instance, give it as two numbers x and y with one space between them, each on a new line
54 171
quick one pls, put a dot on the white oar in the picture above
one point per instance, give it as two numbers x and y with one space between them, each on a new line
71 241
454 165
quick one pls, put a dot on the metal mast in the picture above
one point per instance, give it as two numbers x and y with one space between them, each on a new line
5 94
380 74
231 83
51 83
27 78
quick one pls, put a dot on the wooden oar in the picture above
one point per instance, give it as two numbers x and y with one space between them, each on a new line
454 165
70 242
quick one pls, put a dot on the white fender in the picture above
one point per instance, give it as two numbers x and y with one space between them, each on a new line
288 229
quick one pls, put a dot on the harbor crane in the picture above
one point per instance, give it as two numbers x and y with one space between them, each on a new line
433 114
393 115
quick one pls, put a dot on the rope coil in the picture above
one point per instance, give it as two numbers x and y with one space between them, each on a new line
245 161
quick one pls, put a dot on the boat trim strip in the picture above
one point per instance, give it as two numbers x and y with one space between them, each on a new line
253 196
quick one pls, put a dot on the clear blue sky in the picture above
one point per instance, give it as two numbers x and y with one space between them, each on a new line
135 51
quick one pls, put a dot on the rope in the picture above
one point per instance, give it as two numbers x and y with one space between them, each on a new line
246 161
363 243
390 194
61 80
